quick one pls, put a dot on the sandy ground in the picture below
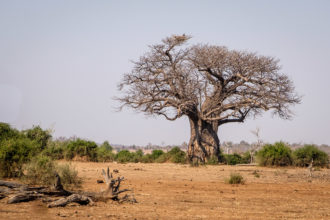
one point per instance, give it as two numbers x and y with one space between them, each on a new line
172 191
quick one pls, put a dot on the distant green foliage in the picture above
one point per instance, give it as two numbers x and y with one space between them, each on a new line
104 154
233 159
212 161
235 178
39 136
41 171
124 156
177 155
163 158
106 146
55 150
246 157
277 154
84 149
156 154
17 148
6 132
303 156
13 154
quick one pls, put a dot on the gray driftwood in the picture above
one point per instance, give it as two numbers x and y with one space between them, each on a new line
57 196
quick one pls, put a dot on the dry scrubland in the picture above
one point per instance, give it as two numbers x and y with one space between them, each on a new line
172 191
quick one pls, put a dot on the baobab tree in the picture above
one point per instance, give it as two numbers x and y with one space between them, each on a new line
211 85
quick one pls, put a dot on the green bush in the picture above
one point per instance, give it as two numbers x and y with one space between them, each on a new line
69 176
246 157
104 153
13 154
39 136
124 156
81 148
277 154
107 146
41 171
303 156
6 132
55 150
156 154
233 159
235 178
163 158
212 161
177 155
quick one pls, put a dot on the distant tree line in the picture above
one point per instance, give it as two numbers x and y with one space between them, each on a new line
18 149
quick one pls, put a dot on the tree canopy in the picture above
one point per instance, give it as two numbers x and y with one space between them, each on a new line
207 83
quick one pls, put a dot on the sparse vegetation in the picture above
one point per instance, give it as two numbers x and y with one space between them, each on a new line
277 154
32 148
41 171
256 174
303 156
235 178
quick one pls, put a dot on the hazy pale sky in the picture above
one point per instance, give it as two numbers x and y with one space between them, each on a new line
61 61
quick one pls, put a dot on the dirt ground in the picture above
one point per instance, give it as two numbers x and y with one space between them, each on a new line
172 191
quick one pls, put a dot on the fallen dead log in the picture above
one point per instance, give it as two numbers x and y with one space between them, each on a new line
23 193
77 198
11 184
23 197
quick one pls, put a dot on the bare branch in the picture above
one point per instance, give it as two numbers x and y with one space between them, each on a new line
211 83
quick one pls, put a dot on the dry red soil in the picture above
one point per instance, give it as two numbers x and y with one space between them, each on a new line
172 191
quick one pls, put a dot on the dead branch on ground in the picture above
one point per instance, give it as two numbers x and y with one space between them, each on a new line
57 196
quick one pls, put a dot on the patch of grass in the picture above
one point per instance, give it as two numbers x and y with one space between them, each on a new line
69 176
235 178
41 171
256 174
213 160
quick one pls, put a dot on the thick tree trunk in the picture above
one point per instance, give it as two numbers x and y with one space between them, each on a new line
204 142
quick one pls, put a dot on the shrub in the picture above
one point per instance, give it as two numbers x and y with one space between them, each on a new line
212 161
156 153
107 146
104 154
256 174
163 158
277 154
235 178
41 170
39 136
13 154
303 156
6 132
246 157
176 155
55 150
124 156
233 159
69 176
81 148
137 156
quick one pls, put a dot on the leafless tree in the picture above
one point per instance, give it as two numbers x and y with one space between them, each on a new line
211 85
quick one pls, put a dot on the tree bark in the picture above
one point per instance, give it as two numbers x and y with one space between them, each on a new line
204 142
